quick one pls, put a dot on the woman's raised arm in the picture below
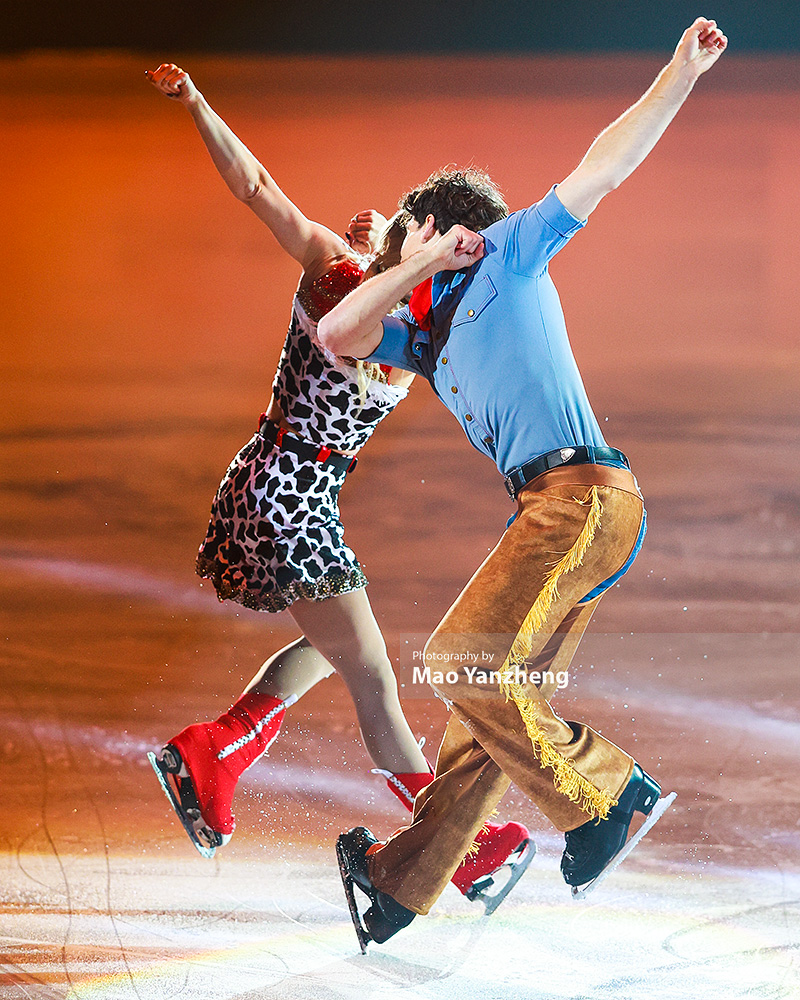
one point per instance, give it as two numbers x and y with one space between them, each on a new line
308 242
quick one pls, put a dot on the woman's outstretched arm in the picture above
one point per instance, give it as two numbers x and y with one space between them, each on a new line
308 242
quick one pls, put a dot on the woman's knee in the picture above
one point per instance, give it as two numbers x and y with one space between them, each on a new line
369 669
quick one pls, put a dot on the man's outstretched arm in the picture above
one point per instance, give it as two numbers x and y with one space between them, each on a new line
620 148
353 327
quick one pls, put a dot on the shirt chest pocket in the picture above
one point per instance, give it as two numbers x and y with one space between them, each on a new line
475 301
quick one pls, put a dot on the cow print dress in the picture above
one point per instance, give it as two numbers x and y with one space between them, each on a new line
275 534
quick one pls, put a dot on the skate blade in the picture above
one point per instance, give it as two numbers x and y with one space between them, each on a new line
175 802
347 881
581 891
517 863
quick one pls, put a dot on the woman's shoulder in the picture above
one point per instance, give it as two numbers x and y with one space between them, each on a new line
338 276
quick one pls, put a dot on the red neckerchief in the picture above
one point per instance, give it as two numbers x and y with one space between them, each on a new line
421 304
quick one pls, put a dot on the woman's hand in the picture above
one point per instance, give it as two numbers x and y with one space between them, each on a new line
248 180
364 231
173 82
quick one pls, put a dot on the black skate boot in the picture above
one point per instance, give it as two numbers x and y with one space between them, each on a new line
386 916
594 849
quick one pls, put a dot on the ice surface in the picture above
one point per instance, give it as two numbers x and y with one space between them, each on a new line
152 928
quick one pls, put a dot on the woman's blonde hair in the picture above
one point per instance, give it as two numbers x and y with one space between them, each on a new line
387 254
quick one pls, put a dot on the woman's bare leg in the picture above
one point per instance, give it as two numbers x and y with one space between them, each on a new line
293 670
344 630
201 766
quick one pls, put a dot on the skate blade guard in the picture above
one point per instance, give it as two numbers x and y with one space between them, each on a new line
517 864
581 891
185 805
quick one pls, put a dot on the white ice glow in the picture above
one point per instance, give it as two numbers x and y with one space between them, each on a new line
272 929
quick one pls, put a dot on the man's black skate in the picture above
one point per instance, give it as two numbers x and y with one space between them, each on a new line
386 916
182 797
594 849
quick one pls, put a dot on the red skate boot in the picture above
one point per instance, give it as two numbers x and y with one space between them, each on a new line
497 845
199 768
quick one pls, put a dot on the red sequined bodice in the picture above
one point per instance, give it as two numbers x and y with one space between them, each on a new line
324 292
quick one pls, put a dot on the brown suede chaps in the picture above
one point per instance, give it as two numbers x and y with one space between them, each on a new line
497 658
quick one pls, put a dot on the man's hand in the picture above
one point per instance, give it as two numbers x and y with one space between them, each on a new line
364 230
620 148
700 47
353 326
174 82
458 248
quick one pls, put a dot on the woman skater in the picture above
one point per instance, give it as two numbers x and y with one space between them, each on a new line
275 540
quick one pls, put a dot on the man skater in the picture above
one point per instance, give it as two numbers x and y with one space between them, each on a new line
485 327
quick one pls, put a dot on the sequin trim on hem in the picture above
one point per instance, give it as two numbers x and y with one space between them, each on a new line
332 584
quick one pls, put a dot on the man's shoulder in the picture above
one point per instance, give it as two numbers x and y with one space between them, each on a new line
526 240
546 212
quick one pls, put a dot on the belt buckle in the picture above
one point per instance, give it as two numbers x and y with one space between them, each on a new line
509 485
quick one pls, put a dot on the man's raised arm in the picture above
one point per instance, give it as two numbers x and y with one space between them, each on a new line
621 147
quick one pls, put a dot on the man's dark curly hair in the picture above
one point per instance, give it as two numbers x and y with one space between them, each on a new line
466 197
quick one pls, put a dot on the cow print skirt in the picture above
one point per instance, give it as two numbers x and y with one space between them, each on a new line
275 535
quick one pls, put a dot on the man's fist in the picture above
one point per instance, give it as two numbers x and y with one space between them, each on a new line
700 46
174 82
458 248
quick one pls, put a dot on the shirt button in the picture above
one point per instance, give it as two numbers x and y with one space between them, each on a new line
488 440
444 361
470 312
468 416
453 389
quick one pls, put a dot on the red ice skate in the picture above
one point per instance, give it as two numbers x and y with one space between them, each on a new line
199 768
496 846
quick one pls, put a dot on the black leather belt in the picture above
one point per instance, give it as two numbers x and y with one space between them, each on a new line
575 455
274 434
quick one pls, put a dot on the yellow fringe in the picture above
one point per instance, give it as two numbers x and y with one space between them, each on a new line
594 801
535 619
475 846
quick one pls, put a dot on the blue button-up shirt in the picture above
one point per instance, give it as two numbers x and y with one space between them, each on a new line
497 353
